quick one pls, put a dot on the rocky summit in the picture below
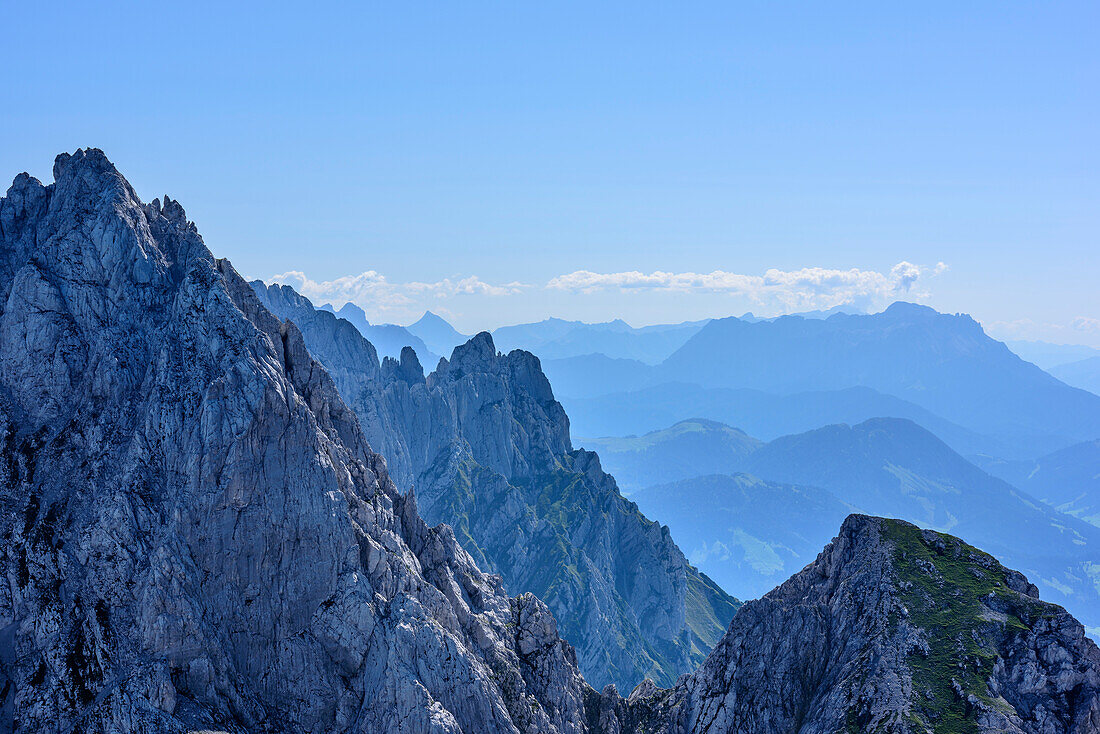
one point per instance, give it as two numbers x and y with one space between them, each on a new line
486 448
891 629
195 535
195 532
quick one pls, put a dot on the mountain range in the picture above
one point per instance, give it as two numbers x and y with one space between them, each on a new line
487 450
1068 479
886 466
387 339
198 536
1084 374
939 370
1048 355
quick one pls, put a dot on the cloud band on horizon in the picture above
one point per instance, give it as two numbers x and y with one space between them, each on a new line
776 291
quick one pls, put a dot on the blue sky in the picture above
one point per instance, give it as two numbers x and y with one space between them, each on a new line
507 162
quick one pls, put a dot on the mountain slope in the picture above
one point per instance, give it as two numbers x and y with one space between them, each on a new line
436 333
388 339
1084 374
945 364
1068 480
887 466
748 534
487 449
196 535
690 448
892 629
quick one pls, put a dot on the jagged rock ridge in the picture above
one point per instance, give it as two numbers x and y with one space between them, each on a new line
486 447
892 629
196 536
195 533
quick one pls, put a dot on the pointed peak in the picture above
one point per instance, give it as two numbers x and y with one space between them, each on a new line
84 158
431 317
478 353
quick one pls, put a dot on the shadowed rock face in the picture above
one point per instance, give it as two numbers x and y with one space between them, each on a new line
891 629
195 532
486 447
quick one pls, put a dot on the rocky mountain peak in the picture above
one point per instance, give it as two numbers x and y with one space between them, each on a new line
407 369
195 532
477 354
893 629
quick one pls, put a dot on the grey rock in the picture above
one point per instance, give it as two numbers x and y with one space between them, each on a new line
891 629
196 536
487 448
195 532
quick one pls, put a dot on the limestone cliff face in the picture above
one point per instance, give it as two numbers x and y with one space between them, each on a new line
195 533
892 629
486 447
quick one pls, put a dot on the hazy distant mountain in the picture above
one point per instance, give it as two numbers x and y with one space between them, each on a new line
884 466
1084 374
592 375
437 333
896 467
752 318
1047 355
388 339
747 534
197 536
890 629
1068 479
944 363
690 448
486 448
559 339
761 414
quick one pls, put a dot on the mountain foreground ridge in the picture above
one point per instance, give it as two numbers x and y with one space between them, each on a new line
197 536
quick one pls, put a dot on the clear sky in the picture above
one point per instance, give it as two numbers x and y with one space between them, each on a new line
506 162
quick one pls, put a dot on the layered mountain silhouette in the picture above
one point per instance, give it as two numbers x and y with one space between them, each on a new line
1068 479
687 449
198 537
436 333
388 339
759 413
943 364
486 449
883 466
1084 374
560 339
1047 355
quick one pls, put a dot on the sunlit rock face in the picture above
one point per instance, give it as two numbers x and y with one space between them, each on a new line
486 447
891 629
196 534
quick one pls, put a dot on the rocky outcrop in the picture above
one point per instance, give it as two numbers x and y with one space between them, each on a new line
486 447
196 536
194 532
891 629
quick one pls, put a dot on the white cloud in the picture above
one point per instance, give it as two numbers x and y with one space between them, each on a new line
807 288
382 299
771 293
1084 323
